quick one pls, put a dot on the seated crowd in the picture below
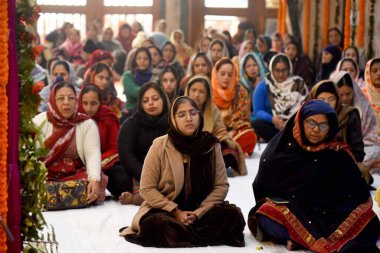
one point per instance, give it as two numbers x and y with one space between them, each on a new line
192 117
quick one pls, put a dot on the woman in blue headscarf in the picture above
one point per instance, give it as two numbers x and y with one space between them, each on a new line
309 191
251 72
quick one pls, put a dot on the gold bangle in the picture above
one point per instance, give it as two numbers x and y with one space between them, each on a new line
95 179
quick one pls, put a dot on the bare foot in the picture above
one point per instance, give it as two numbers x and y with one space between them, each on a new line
290 245
126 198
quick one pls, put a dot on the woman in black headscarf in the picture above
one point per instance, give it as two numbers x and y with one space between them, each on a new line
137 134
309 191
184 184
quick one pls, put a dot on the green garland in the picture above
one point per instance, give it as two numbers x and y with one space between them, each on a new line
371 29
354 13
337 12
316 31
32 170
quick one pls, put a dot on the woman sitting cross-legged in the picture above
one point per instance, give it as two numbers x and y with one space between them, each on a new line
199 89
72 140
277 97
184 184
90 103
309 191
232 100
137 134
348 116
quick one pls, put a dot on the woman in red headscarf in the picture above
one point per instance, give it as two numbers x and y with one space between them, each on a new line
108 124
72 140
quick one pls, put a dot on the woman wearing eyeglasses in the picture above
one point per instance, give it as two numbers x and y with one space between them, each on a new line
184 184
348 116
309 191
277 98
72 141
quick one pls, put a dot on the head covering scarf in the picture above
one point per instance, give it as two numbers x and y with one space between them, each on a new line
208 107
126 42
160 121
266 40
328 68
241 50
103 114
225 52
199 143
368 120
223 98
72 74
141 76
97 56
311 108
344 52
171 61
190 66
109 93
244 79
372 93
58 142
343 111
286 100
200 177
339 66
159 38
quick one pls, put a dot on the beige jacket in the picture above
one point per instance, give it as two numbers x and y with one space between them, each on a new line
162 180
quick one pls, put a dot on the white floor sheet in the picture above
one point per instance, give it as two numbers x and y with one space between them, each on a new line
95 229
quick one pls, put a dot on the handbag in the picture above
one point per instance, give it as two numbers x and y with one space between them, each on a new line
66 195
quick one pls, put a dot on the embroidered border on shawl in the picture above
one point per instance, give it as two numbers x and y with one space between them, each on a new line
349 229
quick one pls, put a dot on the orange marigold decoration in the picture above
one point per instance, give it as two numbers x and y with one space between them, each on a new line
347 25
326 21
306 27
361 23
279 16
4 68
284 12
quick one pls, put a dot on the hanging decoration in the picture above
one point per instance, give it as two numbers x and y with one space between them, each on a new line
284 13
4 72
316 31
337 13
306 27
360 27
347 23
279 16
326 21
353 20
371 29
32 171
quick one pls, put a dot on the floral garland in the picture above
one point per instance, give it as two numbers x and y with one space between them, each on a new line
347 24
326 21
32 170
337 12
361 23
279 16
4 72
284 12
306 27
371 29
316 31
354 12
